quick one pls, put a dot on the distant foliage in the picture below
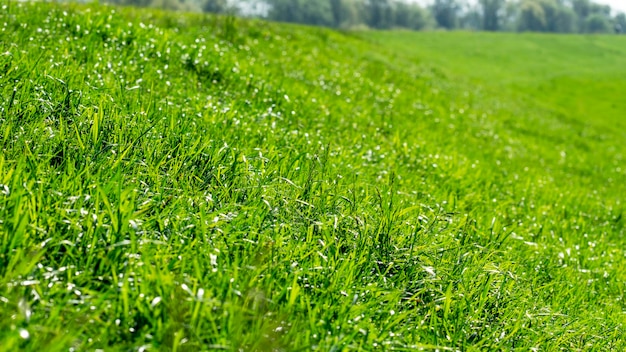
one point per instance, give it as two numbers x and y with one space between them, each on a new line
556 16
597 23
532 17
491 14
412 17
446 13
620 23
215 6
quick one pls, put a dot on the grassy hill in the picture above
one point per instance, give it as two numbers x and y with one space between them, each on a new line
182 182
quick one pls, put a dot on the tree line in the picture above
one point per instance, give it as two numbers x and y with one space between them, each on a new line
557 16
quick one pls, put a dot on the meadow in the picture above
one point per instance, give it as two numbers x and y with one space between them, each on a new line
184 182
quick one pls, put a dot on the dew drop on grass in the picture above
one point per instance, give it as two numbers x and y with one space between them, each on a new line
24 334
29 282
213 259
24 308
186 289
430 270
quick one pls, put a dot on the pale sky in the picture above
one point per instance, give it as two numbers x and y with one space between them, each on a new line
616 5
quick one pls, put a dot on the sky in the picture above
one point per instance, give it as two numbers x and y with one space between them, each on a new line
616 5
619 5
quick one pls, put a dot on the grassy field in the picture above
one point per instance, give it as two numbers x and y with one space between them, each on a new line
180 182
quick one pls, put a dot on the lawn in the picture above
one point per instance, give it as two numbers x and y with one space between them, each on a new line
183 182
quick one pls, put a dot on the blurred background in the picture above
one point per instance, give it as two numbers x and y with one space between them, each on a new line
557 16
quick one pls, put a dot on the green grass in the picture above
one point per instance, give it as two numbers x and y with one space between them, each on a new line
580 76
181 182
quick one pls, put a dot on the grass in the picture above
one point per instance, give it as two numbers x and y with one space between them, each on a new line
183 182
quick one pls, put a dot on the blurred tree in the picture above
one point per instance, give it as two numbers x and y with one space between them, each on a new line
316 12
550 11
471 18
620 23
379 13
446 13
345 12
284 10
313 12
597 23
491 12
401 14
532 17
566 20
598 19
604 10
411 16
510 16
581 7
547 16
563 16
132 2
215 6
338 13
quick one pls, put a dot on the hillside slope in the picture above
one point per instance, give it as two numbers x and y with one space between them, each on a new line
183 182
579 76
